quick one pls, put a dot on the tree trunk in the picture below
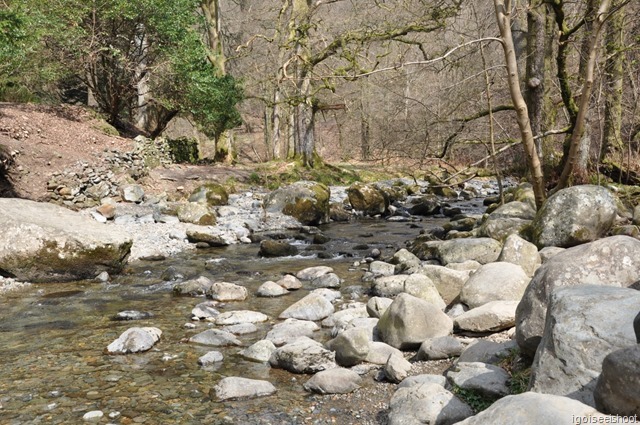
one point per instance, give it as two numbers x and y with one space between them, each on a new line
503 17
613 78
211 11
583 105
536 72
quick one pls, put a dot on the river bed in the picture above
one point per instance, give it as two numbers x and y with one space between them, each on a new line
52 338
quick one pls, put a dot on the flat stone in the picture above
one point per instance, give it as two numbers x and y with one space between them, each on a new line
333 381
234 388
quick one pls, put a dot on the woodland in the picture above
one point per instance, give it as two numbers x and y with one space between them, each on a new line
544 89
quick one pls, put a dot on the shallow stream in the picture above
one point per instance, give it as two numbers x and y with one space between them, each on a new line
52 338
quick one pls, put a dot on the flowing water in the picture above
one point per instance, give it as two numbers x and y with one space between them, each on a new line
52 338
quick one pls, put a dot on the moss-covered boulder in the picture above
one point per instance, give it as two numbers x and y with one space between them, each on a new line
212 194
368 199
306 201
574 216
41 242
196 213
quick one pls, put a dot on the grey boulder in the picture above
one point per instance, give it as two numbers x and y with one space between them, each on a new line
333 381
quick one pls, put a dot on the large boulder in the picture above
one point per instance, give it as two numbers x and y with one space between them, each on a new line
612 261
448 282
584 324
42 242
303 355
333 381
368 199
498 281
508 219
618 388
574 216
312 307
409 321
306 201
211 194
536 409
418 285
351 346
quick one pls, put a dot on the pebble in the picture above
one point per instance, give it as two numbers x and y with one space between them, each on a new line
94 416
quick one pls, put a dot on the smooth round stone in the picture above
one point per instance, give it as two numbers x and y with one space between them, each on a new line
94 416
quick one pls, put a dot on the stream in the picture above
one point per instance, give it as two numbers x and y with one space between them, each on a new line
52 338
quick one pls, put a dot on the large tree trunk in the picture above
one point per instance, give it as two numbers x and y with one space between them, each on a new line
613 77
503 17
536 72
583 106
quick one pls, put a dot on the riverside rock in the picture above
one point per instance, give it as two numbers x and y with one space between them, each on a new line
271 289
351 346
612 261
233 388
447 281
193 287
240 316
426 403
482 250
574 216
494 282
416 284
215 337
314 306
291 329
379 352
135 340
311 273
368 199
224 291
508 219
521 252
376 306
486 379
303 355
396 368
618 388
306 201
536 409
490 317
584 324
409 321
442 347
333 381
259 351
41 242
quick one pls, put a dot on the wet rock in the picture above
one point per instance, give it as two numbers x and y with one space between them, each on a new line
612 261
303 355
260 351
271 248
425 205
194 287
574 216
234 388
132 315
443 347
618 386
290 330
205 310
135 340
241 328
333 381
212 236
41 242
312 307
396 368
215 337
224 291
494 282
210 358
486 379
410 320
271 289
490 317
426 404
585 323
535 409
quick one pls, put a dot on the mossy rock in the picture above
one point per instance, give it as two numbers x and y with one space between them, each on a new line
306 201
184 150
368 199
211 194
